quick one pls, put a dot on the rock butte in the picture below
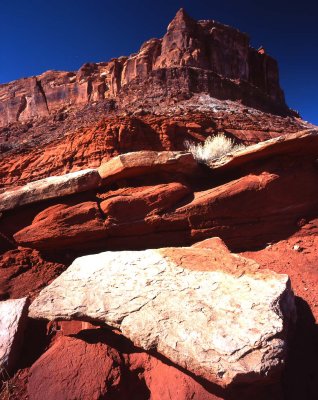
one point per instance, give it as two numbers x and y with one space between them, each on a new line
94 161
204 55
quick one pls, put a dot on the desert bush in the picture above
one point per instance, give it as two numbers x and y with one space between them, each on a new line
213 148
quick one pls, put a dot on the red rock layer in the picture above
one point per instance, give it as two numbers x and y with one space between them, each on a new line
42 155
246 212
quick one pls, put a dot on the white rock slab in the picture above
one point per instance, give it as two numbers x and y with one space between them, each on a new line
215 314
50 188
13 319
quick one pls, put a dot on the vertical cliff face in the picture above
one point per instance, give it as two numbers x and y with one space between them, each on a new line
263 73
221 49
192 57
205 44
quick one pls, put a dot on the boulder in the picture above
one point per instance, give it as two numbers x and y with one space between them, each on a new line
50 188
13 320
166 382
146 162
74 369
218 317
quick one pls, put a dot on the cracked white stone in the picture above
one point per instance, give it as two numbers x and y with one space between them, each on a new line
13 317
50 188
226 322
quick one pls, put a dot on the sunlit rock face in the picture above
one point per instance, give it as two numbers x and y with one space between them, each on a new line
193 56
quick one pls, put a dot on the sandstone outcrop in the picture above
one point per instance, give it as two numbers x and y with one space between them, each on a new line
87 140
242 212
50 188
295 145
24 272
80 225
201 56
128 205
164 381
189 304
133 374
301 375
13 319
140 163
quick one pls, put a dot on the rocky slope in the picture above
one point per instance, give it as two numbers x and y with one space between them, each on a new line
120 276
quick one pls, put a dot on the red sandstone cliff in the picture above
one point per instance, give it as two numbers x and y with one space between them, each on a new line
193 56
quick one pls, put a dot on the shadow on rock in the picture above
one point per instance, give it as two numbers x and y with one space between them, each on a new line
300 379
134 378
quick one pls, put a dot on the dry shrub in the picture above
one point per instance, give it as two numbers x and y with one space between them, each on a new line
213 148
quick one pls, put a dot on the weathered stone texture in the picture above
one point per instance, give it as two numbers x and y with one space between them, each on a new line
221 319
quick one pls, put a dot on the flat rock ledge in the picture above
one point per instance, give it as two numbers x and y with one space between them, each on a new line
211 312
50 188
298 143
13 320
124 166
137 163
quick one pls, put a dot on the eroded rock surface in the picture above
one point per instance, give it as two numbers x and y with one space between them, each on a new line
221 319
24 272
80 225
88 138
242 212
13 319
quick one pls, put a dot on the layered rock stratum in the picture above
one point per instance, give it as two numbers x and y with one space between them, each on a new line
127 247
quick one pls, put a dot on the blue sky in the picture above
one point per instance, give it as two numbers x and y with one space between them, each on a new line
39 35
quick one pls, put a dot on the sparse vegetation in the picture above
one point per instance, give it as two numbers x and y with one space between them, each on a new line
6 386
213 148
